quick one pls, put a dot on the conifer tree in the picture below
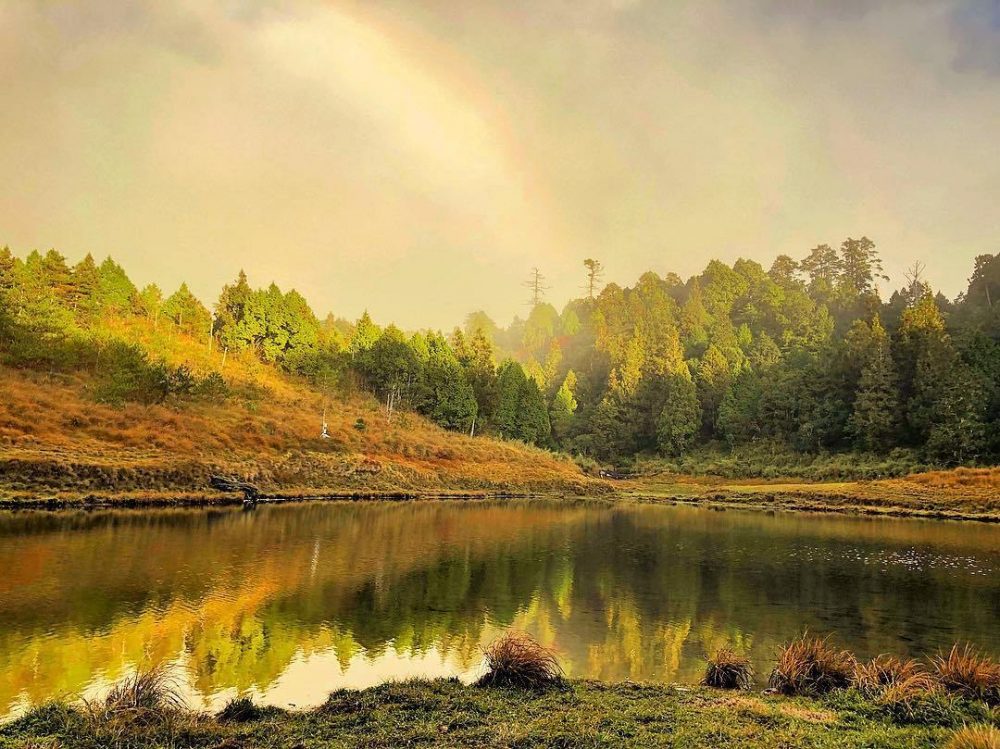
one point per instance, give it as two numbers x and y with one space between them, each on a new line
366 333
874 419
564 405
84 294
680 419
116 290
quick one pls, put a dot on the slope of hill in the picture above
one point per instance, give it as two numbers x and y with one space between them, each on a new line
57 441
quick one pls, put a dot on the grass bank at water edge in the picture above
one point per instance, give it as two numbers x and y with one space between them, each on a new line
446 713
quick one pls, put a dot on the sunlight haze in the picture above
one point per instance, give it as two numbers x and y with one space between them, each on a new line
418 158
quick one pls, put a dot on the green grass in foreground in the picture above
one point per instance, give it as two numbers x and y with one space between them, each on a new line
446 713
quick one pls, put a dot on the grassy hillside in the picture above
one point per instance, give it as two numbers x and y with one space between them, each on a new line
58 440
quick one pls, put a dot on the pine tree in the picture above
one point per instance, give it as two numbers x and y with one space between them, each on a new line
680 419
533 416
874 419
55 274
712 378
151 302
823 267
231 314
84 294
564 405
445 395
117 292
510 386
366 333
739 419
186 312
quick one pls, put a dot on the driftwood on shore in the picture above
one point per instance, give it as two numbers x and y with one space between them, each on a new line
614 475
223 484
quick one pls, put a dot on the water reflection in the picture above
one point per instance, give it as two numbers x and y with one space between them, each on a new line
289 602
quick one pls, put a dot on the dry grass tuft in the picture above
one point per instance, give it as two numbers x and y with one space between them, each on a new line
963 671
812 666
885 673
516 660
975 737
140 701
728 670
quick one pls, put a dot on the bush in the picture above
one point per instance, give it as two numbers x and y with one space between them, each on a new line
126 374
728 670
975 737
212 388
811 666
516 660
968 674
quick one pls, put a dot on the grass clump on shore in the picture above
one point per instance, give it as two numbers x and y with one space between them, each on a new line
885 673
975 737
240 710
516 660
811 666
967 673
903 688
728 670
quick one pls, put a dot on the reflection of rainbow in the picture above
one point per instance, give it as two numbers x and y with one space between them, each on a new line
424 103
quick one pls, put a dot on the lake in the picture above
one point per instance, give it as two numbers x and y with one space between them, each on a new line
288 602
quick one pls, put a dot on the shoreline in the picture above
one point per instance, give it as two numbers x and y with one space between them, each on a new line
445 712
814 499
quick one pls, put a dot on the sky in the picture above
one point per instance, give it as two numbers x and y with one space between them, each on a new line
417 158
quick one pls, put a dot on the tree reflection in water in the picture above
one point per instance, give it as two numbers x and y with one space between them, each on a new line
289 602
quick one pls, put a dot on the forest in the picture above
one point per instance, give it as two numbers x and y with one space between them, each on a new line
806 356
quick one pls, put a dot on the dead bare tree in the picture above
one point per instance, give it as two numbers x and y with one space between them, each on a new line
536 283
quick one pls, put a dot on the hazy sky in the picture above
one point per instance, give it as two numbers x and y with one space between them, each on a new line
417 157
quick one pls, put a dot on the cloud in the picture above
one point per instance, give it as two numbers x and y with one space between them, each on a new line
356 149
975 27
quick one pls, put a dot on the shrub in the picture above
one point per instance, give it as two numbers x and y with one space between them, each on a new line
240 710
968 674
975 737
811 666
212 388
128 375
516 660
728 670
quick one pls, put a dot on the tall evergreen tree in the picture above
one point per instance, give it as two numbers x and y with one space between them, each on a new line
680 418
874 420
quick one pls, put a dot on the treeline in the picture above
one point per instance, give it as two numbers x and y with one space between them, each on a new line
807 355
63 318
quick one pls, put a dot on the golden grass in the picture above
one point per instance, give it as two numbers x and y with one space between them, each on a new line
887 673
811 666
967 673
728 670
975 737
139 702
54 437
516 660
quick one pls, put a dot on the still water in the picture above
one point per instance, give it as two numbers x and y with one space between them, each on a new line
286 603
